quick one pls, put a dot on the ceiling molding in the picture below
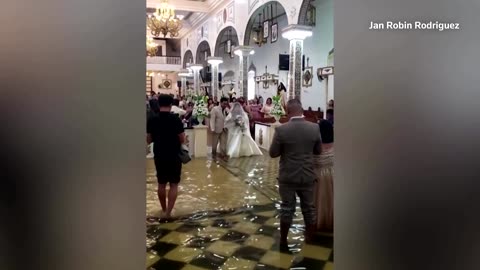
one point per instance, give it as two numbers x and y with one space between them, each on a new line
197 19
216 3
185 5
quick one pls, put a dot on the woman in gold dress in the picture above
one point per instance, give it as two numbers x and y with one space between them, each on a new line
324 171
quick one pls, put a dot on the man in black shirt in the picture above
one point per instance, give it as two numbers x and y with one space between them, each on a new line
166 132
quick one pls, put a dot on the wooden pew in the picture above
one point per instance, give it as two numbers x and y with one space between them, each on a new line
258 116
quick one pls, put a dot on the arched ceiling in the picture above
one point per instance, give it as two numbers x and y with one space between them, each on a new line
187 58
222 40
203 52
269 11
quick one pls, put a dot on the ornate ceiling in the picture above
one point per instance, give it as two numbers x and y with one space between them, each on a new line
192 11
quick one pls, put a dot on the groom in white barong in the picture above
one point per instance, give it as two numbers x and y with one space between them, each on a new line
239 141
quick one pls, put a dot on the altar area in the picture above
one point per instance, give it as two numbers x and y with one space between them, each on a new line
264 134
265 126
264 129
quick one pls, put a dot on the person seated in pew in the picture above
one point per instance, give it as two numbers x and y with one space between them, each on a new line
267 108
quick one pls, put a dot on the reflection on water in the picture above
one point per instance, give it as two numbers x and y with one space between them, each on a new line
204 186
228 222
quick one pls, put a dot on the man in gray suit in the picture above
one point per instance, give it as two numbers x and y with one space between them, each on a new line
296 143
217 122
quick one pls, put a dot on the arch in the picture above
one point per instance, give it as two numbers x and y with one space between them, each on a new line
305 8
202 40
203 51
219 33
229 75
254 15
252 67
187 58
221 42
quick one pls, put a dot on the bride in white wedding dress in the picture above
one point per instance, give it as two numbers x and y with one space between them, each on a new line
240 143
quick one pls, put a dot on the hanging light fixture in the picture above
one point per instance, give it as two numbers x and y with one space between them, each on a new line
258 38
164 21
152 47
228 44
311 14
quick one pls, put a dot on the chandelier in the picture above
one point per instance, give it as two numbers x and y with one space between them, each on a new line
152 47
164 21
258 37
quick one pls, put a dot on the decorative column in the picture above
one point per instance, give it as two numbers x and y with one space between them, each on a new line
215 62
296 34
183 74
243 53
196 78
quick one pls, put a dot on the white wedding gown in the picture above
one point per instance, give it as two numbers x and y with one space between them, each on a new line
240 143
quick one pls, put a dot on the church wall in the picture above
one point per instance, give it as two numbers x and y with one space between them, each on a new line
317 48
237 13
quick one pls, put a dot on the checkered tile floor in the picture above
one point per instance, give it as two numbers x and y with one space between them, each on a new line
246 239
259 171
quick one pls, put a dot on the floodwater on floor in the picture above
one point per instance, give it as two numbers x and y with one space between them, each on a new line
226 217
205 186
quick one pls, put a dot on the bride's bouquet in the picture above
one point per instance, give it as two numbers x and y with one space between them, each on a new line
239 122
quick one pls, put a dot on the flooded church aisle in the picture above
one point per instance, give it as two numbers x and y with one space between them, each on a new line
226 217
